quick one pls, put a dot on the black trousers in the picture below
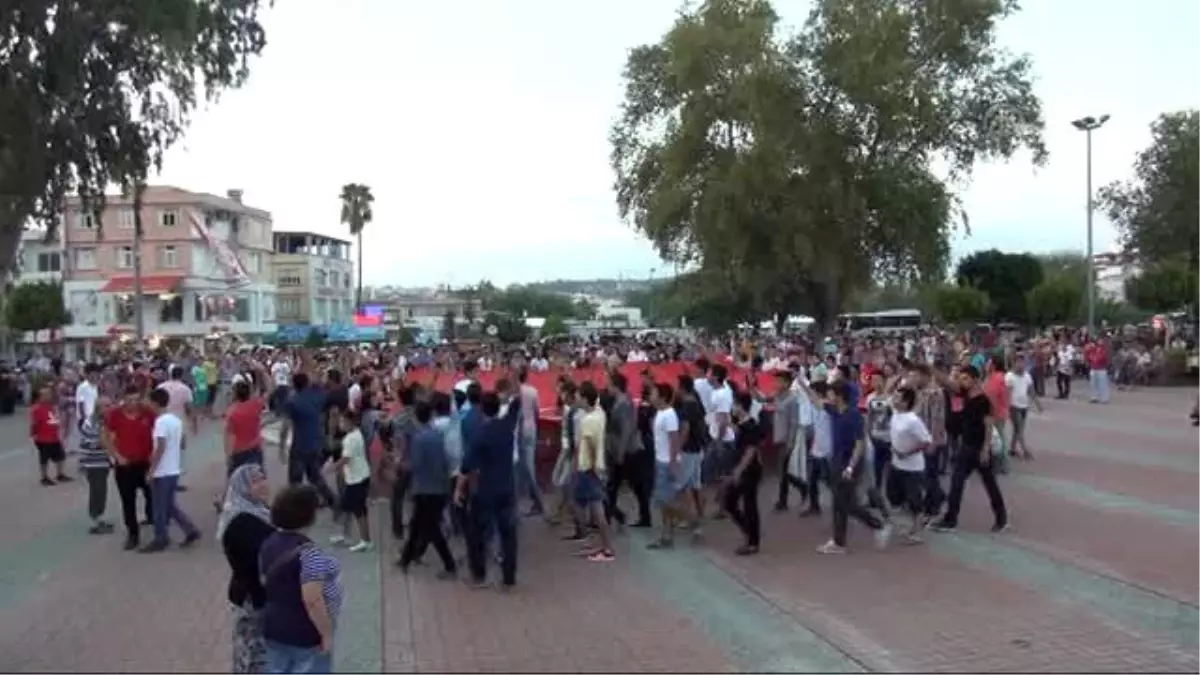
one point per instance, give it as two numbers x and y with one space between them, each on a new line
130 479
935 496
97 480
741 503
1063 380
637 470
488 515
846 504
399 495
307 467
427 529
968 463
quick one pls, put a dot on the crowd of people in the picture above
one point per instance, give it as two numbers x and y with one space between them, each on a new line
889 429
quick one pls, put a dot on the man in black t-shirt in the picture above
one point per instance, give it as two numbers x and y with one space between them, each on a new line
975 452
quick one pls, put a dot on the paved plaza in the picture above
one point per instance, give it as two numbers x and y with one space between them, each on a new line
1099 573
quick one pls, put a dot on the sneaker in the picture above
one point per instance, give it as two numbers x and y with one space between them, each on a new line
883 535
47 482
943 526
130 544
189 540
100 528
779 508
447 575
337 540
361 547
63 478
745 550
830 548
153 547
575 536
660 544
912 538
602 555
999 527
810 512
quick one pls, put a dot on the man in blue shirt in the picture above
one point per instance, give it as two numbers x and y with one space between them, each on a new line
488 467
302 414
847 448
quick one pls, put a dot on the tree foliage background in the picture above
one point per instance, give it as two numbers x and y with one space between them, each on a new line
792 170
93 93
36 306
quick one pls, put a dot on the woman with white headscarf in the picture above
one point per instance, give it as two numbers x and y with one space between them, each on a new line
244 524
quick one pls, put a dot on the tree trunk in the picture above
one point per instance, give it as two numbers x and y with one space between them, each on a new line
358 293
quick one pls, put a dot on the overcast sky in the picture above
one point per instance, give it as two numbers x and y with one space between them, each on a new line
482 127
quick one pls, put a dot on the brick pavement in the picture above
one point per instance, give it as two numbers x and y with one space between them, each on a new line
1098 574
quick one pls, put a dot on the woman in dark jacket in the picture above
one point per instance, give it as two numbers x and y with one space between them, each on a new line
245 523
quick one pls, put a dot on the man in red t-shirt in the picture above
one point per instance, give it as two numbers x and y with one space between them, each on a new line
1096 356
129 441
46 431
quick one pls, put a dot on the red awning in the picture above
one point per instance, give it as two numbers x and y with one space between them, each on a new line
151 284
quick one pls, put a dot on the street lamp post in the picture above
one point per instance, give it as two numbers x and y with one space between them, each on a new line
1088 125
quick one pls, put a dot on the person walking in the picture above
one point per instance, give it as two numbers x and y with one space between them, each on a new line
165 466
244 524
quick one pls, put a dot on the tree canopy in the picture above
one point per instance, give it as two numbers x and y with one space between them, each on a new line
1157 210
1005 277
795 168
521 301
92 94
36 306
1168 286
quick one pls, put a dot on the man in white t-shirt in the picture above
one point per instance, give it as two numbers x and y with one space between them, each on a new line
281 378
1020 394
165 465
910 439
1064 369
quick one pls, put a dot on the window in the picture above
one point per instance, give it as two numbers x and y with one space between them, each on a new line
86 221
170 308
124 308
168 218
322 278
288 308
125 257
222 308
256 263
85 258
348 280
49 262
168 257
321 311
125 219
333 279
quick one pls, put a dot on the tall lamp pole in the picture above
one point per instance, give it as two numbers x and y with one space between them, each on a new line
1088 125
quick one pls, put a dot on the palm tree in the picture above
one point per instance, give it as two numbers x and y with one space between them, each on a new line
356 213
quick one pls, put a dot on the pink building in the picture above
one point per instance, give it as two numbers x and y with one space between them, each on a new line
205 266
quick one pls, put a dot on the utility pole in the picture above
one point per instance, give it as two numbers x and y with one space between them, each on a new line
139 189
1088 125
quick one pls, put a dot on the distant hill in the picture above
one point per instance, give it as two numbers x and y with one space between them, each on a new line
602 288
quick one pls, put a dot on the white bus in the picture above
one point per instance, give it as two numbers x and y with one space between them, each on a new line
891 322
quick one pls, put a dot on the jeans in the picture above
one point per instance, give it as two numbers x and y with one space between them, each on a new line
283 658
636 470
968 463
490 514
881 459
846 504
526 473
1063 381
741 502
935 496
165 508
427 529
131 478
307 466
97 480
1099 382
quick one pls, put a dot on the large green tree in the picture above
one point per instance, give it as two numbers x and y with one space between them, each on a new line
795 168
36 306
92 94
1158 209
1167 286
1005 277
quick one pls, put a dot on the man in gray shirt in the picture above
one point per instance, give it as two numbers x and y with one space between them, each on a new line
785 431
627 460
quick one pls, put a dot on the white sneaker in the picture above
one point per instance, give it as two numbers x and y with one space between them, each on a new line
883 535
361 547
337 540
